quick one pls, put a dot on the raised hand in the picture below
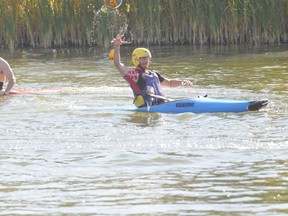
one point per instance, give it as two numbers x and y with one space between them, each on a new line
119 40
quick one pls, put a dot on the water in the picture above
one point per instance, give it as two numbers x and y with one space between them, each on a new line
68 153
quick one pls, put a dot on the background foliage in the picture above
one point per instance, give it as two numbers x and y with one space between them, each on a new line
62 23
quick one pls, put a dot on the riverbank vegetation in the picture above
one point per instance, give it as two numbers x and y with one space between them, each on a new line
82 23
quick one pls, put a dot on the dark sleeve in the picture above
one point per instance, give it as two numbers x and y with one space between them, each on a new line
161 78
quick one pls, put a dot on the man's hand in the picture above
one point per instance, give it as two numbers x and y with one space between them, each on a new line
187 83
119 40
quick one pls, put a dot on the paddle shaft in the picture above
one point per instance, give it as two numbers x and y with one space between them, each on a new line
159 97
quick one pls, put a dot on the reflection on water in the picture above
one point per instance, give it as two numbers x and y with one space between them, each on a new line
72 153
145 119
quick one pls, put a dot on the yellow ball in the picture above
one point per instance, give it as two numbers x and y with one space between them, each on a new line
111 54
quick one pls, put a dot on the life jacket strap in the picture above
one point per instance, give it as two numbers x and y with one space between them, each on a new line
133 85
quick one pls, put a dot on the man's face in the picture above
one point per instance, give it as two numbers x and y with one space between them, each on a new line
144 62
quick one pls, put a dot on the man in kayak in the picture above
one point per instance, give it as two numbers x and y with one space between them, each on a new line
6 73
146 84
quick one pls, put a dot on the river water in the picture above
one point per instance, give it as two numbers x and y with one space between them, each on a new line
67 152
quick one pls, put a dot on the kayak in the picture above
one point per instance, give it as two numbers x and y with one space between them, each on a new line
41 91
204 105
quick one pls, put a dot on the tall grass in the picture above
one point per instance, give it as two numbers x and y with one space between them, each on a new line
209 21
61 23
46 23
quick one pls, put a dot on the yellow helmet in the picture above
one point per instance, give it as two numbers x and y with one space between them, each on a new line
140 53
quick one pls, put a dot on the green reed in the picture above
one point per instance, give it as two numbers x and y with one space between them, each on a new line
209 21
63 23
46 23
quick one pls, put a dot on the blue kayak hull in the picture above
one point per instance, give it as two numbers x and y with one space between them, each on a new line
204 105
